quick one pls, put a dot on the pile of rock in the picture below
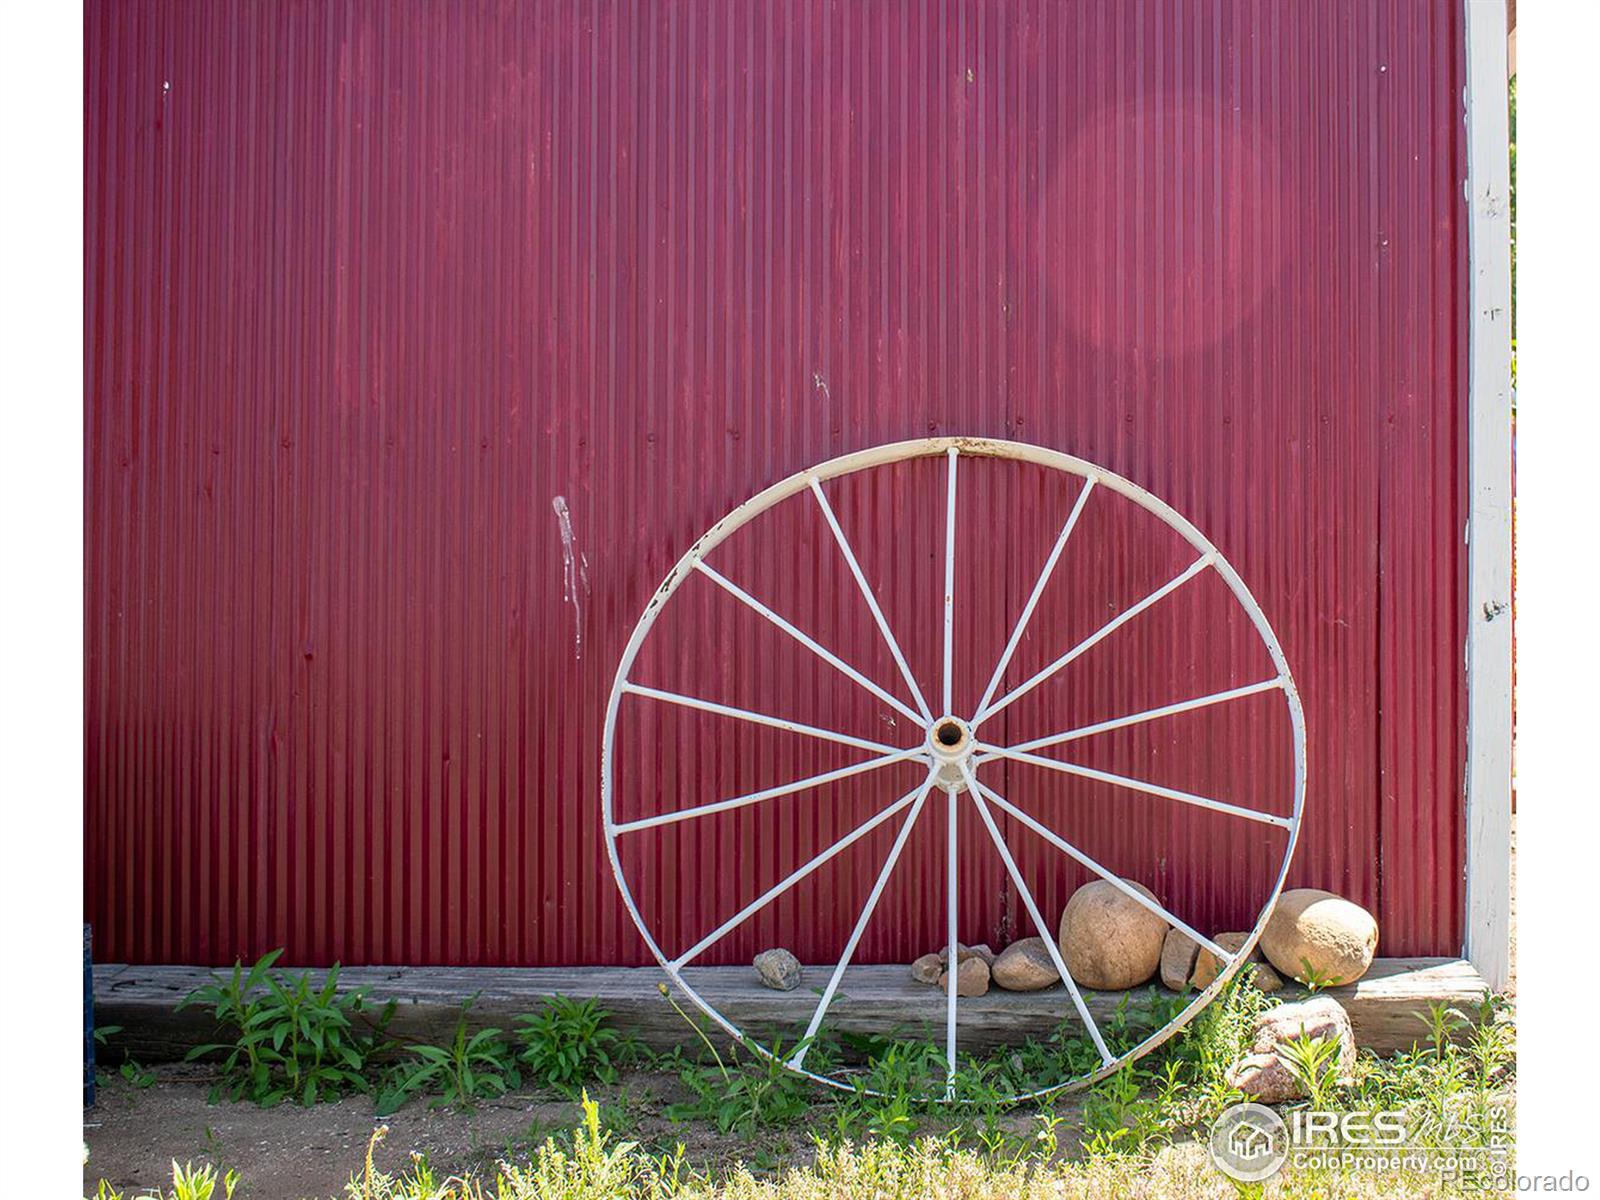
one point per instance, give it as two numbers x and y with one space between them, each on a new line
1023 966
1187 964
1110 942
974 967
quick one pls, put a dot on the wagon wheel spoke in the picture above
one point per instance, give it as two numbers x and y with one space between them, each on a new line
744 714
1136 785
953 962
1066 847
952 873
772 793
871 599
798 1058
1150 714
1110 627
1038 590
1046 934
794 877
810 643
949 586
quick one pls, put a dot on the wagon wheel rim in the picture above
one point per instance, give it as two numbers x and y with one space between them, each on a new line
952 747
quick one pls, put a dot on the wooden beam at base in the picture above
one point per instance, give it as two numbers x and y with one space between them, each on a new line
1383 1006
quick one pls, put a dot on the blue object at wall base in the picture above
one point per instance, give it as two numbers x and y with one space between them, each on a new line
88 1017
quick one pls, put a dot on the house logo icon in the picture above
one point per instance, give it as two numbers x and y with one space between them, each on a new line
1249 1142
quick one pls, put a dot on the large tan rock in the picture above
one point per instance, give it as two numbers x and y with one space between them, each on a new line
1207 966
1263 1075
927 969
1315 932
1108 940
1025 966
972 977
1178 951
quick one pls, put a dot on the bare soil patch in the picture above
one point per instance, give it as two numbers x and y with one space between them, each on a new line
133 1134
294 1153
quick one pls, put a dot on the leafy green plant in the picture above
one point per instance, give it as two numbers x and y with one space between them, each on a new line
889 1092
1443 1022
1452 1093
1314 1063
188 1183
980 1087
747 1091
131 1070
1208 1046
568 1043
292 1040
1314 980
469 1068
1047 1138
1119 1118
1491 1048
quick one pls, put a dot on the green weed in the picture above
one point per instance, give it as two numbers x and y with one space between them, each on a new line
1314 1063
745 1092
568 1043
469 1068
291 1040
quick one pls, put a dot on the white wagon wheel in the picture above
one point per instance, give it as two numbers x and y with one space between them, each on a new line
952 746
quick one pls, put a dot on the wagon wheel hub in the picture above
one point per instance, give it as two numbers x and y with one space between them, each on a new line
950 748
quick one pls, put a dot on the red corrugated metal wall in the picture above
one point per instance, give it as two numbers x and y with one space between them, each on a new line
378 295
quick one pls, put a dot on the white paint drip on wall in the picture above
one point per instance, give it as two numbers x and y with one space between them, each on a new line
574 573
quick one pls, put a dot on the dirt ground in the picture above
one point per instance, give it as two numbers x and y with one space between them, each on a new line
293 1153
288 1152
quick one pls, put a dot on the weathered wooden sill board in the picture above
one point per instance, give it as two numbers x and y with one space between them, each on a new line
1383 1005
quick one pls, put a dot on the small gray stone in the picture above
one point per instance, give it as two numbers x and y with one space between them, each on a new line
1025 966
778 969
927 969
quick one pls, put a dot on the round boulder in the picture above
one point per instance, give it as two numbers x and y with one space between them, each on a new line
1313 932
1108 940
1025 966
